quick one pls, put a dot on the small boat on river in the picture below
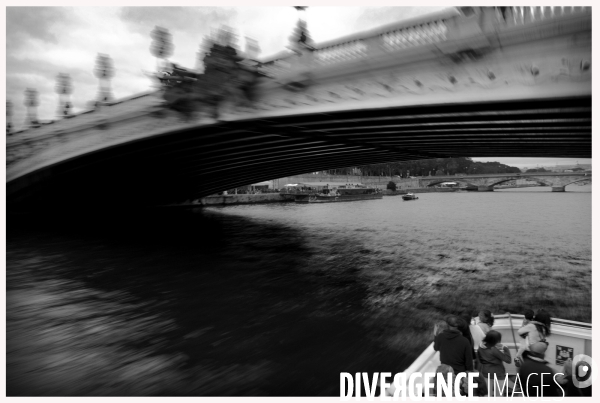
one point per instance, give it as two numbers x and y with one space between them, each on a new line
409 196
327 192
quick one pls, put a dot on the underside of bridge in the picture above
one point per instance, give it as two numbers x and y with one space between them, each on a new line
178 166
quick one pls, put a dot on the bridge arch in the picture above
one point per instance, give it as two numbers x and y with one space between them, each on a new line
542 181
503 181
437 182
584 179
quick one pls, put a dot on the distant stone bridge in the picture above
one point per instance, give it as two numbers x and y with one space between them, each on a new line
473 82
486 183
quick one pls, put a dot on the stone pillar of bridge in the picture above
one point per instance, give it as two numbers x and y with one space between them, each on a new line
485 188
558 188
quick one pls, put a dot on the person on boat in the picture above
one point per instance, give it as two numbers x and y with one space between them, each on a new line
464 327
486 320
535 331
439 327
491 355
536 377
565 380
446 371
476 332
481 389
527 317
455 350
472 332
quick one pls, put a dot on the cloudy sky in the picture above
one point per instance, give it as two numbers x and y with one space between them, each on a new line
44 41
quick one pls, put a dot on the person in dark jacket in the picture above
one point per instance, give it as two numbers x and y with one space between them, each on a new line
566 380
466 330
464 326
536 377
455 350
491 355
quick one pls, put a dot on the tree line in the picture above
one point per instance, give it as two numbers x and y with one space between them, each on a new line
429 167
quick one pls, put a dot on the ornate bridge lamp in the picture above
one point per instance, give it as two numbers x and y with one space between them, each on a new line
9 118
302 44
31 102
252 49
64 89
104 71
300 39
161 47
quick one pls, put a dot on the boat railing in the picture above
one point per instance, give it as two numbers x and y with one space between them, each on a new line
564 324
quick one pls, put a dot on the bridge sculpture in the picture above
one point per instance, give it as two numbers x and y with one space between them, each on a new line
479 82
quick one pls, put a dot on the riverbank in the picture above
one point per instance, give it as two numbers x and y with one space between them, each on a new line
262 198
228 200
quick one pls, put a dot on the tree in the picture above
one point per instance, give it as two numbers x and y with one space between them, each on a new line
392 186
63 88
439 166
104 71
162 45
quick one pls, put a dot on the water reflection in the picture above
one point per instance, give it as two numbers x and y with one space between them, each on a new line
276 300
178 306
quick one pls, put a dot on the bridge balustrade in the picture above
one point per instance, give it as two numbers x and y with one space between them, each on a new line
421 31
424 34
438 28
524 15
88 128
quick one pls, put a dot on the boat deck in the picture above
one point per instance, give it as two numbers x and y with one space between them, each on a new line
573 337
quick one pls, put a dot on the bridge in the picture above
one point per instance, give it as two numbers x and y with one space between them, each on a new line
486 183
474 82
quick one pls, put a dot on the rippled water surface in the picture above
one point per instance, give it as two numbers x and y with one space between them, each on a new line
277 299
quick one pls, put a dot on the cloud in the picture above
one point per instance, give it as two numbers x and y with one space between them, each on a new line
372 17
33 61
179 19
187 25
24 23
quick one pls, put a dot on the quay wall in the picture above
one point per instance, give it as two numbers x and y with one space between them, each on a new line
379 181
233 199
228 200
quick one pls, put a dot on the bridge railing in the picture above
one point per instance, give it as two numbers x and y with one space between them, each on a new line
91 123
525 15
448 25
407 34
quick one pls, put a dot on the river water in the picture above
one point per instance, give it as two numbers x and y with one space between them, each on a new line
277 299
